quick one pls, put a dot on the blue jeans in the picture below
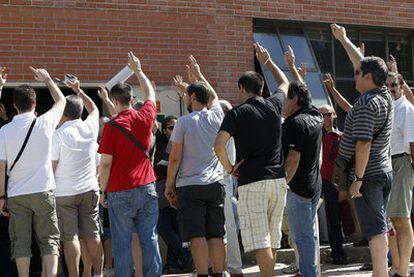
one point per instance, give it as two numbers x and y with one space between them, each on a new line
136 208
301 217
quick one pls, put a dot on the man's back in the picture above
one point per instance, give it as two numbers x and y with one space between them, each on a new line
256 128
33 172
130 167
197 131
74 147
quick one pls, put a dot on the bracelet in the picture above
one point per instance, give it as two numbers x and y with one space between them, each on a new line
266 61
358 179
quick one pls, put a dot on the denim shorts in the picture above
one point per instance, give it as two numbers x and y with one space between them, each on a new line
371 207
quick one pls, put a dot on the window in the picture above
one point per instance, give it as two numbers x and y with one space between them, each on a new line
314 45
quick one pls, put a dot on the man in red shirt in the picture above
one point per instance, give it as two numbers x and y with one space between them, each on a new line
126 174
331 137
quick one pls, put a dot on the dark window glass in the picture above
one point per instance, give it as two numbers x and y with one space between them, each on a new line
317 88
297 41
374 44
347 88
400 47
343 66
321 44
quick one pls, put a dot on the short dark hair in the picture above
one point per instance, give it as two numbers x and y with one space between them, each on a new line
252 82
397 75
300 90
201 91
166 120
377 67
24 97
73 107
122 92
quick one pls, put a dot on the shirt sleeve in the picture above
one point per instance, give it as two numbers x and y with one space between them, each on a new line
277 99
52 118
408 125
93 124
107 144
148 112
3 156
56 143
230 123
295 135
179 131
363 123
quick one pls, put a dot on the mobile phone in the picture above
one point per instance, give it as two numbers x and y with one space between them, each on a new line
70 77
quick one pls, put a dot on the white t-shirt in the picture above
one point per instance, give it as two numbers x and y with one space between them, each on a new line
33 172
403 126
74 147
197 131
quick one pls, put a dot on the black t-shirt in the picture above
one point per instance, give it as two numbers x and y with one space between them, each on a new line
256 128
302 132
161 142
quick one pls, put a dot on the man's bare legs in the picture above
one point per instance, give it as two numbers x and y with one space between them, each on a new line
378 248
199 251
217 254
72 253
404 242
393 246
86 260
109 261
266 259
23 266
95 251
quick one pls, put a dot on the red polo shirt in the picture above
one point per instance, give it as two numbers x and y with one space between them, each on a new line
330 149
130 167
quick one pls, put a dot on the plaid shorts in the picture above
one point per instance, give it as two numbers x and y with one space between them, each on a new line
260 210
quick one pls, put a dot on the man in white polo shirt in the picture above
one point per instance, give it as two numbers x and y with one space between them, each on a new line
30 199
74 162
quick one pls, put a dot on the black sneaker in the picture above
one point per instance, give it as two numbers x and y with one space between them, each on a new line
339 260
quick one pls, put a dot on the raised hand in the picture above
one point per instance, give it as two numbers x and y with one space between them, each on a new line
338 32
290 57
40 74
261 53
302 70
328 81
392 64
180 85
133 62
103 93
3 76
191 78
194 67
73 83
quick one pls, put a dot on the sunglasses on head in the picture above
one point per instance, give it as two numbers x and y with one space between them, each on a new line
392 85
327 114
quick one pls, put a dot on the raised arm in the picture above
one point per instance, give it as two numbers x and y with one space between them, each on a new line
264 58
338 98
3 77
43 76
290 62
103 94
354 54
180 85
195 72
145 84
87 101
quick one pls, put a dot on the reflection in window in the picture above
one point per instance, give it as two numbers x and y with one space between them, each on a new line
399 46
300 46
321 44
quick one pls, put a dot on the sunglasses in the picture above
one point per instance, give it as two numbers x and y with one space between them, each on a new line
170 128
392 85
327 114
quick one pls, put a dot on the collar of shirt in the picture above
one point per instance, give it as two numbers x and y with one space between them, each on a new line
301 110
23 116
334 132
253 99
70 123
399 101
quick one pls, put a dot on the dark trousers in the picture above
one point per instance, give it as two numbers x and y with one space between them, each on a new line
7 266
333 213
168 230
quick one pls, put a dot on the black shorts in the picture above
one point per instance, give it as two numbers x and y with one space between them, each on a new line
201 211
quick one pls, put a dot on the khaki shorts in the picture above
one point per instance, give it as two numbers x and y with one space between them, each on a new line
37 211
78 216
401 196
261 206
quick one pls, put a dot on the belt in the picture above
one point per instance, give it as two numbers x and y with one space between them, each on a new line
399 155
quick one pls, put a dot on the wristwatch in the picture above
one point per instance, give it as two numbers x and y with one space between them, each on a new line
358 179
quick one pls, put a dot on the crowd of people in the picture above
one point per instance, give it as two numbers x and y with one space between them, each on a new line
100 190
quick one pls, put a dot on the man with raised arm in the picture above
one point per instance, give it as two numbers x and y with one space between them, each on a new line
366 140
255 126
77 190
127 175
30 197
194 176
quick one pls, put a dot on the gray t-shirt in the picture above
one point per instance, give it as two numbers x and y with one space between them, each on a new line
366 118
197 132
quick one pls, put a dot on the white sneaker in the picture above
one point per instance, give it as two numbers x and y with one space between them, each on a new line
108 272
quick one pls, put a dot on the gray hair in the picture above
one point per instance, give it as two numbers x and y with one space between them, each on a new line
74 107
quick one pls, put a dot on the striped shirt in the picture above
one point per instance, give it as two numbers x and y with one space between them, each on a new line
366 117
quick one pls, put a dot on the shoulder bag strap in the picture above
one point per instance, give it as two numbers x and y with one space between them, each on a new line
24 144
130 137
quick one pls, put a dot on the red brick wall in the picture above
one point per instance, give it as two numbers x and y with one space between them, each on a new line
90 38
